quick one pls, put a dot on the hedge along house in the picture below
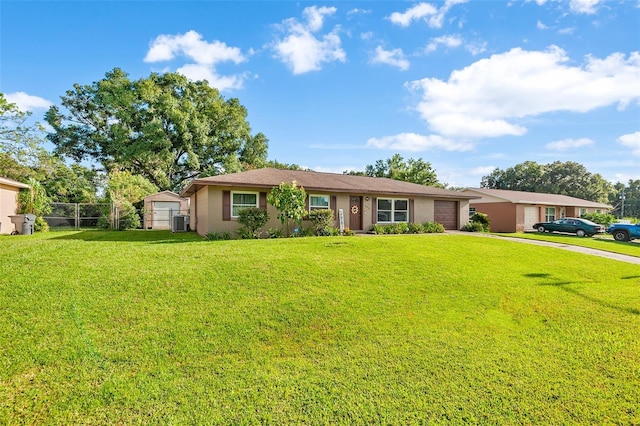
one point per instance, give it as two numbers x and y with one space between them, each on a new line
9 190
215 201
517 211
161 207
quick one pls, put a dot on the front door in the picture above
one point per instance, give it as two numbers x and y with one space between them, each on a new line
355 213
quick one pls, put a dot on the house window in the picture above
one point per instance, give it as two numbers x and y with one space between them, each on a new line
583 212
317 202
242 200
472 211
550 214
393 210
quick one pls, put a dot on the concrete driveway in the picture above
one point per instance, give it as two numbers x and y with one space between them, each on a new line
578 249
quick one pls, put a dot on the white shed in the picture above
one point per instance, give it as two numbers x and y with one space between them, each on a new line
161 207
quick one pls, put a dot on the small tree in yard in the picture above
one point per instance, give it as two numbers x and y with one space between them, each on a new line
35 201
290 200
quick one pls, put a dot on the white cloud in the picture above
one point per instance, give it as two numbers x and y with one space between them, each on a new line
414 13
567 144
541 26
632 141
393 57
454 41
482 170
415 142
433 16
476 48
205 55
567 31
490 96
587 7
357 11
447 41
366 36
26 102
301 49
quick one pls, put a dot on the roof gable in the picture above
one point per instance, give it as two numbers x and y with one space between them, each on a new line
316 181
164 195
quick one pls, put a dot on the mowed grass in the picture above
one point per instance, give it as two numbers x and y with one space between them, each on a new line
155 328
599 242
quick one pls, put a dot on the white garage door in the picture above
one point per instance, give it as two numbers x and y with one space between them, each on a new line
162 213
530 217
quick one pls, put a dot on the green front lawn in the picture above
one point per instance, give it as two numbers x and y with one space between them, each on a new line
150 327
600 242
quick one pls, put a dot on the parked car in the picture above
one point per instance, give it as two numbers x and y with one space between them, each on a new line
624 231
573 225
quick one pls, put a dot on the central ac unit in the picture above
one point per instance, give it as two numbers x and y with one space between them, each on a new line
180 223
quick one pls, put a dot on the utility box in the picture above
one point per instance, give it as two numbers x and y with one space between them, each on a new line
180 223
24 223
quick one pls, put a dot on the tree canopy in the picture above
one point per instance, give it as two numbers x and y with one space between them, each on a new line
566 178
396 167
163 127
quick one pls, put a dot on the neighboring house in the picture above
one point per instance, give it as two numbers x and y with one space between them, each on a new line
9 190
517 211
215 201
161 207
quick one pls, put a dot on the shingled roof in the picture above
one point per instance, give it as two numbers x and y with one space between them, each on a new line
522 197
326 182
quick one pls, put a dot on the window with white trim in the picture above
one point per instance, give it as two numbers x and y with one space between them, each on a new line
391 210
243 200
550 214
472 211
317 202
583 212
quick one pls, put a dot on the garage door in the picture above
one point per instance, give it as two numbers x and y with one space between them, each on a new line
446 213
163 211
530 217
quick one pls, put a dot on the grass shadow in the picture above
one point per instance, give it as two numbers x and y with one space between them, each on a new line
145 236
564 287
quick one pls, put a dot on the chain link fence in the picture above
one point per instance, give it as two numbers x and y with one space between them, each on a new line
75 216
65 216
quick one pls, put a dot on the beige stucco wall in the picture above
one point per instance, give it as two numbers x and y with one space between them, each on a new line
206 210
8 206
199 219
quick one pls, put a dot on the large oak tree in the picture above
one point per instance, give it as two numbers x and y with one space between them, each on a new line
566 178
396 167
165 128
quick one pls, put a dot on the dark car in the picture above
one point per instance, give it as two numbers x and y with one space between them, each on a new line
580 227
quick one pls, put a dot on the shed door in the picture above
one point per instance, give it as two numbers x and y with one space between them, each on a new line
162 213
446 213
530 217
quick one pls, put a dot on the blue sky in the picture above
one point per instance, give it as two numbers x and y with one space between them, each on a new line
467 86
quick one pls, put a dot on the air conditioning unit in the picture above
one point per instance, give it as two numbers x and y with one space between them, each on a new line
180 223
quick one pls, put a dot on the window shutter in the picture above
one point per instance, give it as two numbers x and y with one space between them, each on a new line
263 200
226 205
307 207
334 205
374 210
411 217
